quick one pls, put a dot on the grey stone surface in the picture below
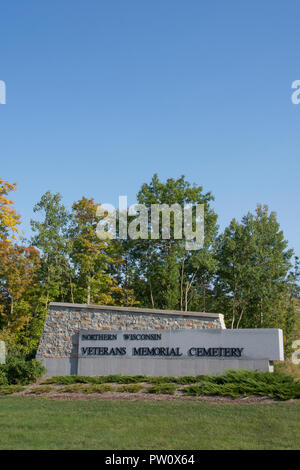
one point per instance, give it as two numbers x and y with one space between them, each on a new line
148 366
59 366
255 349
166 367
2 352
246 344
64 321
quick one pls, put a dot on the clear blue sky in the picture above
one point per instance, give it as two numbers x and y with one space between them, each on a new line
101 94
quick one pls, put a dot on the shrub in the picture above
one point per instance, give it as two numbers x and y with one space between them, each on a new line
111 378
234 383
41 389
67 379
160 380
100 388
73 379
9 389
19 370
52 380
3 376
164 388
79 379
130 388
237 383
103 379
132 379
84 388
184 380
74 388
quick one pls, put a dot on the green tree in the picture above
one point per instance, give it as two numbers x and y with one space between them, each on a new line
95 261
254 287
51 238
18 275
163 273
19 286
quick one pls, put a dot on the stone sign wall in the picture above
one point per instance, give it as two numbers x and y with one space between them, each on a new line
58 348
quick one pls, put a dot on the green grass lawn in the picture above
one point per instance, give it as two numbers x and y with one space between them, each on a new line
40 423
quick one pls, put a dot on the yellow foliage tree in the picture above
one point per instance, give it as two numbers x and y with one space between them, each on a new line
9 219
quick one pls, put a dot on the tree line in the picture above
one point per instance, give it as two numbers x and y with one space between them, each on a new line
247 272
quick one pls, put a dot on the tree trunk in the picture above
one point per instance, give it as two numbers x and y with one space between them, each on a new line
47 300
71 288
204 294
238 324
11 311
89 294
181 285
151 295
188 286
